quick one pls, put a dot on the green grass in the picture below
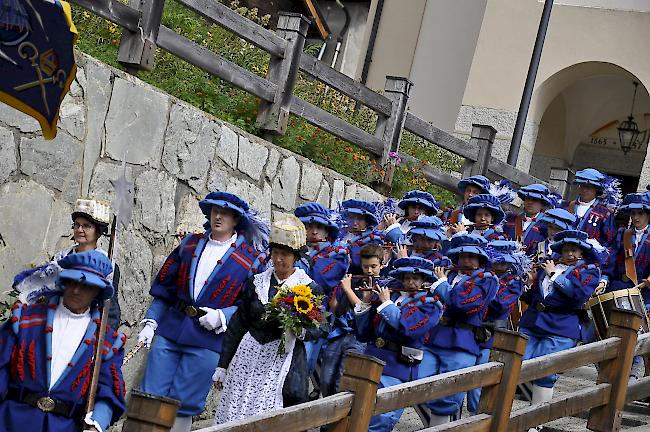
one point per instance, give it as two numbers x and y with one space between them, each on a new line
100 39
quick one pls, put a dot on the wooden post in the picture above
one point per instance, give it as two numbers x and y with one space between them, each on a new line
273 117
389 129
496 400
138 49
361 375
625 325
483 137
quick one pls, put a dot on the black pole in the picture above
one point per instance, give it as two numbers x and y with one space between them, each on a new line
515 145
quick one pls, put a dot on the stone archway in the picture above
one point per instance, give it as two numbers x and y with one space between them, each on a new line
578 110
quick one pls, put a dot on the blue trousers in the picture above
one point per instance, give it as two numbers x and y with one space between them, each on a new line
474 395
440 360
541 344
332 355
387 421
180 372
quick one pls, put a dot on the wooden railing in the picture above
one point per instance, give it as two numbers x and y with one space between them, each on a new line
359 399
143 32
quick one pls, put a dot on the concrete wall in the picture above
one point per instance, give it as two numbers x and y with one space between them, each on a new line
175 154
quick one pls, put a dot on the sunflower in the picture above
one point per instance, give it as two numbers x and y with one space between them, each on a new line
303 304
302 290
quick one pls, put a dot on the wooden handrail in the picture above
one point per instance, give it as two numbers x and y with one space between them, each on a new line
429 132
643 344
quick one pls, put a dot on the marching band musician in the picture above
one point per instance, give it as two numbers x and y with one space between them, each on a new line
555 315
361 220
551 222
593 208
468 187
47 351
509 263
195 294
484 214
466 292
395 325
521 227
427 236
630 260
415 204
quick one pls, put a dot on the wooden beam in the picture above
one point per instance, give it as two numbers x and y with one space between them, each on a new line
595 352
434 175
324 33
440 138
293 419
334 125
113 11
137 49
215 12
214 64
483 138
643 344
435 387
517 177
638 390
344 84
475 423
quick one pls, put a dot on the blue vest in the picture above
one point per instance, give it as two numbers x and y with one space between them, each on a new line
562 305
174 285
355 244
26 355
466 303
405 324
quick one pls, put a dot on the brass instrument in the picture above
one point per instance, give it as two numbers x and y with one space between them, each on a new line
128 356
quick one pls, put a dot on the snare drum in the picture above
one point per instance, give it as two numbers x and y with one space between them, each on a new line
601 306
150 413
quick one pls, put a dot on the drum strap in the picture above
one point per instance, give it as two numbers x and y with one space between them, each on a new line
628 247
519 227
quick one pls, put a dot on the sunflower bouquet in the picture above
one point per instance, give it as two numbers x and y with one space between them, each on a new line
297 309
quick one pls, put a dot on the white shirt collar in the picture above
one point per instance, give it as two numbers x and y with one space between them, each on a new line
531 217
586 203
642 230
64 311
222 243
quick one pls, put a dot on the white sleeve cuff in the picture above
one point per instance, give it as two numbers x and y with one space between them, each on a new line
89 421
392 227
556 275
382 306
224 325
435 285
152 323
361 308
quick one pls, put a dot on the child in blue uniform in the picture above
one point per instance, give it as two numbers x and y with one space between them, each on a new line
555 315
47 350
361 220
594 208
485 215
394 326
509 264
427 237
467 187
521 227
466 293
415 204
551 222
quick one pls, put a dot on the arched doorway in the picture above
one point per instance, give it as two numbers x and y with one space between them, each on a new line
579 110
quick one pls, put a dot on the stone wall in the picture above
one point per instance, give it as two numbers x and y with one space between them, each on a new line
175 154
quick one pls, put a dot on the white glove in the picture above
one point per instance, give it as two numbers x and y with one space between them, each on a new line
212 318
90 422
219 377
147 333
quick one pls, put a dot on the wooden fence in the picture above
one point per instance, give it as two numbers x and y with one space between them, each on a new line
359 400
143 32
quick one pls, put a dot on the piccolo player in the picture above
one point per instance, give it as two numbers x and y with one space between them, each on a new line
555 316
47 350
394 323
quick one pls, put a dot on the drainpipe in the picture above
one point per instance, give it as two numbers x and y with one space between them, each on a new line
371 41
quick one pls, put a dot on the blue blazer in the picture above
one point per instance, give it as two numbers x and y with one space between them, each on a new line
570 291
25 363
616 265
598 222
175 283
531 235
510 288
405 324
330 262
466 302
355 244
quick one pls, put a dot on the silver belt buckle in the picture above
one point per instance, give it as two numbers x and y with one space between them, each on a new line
46 404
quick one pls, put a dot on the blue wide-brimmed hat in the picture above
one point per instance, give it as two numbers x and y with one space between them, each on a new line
501 251
639 201
314 212
228 201
467 243
429 227
413 265
590 176
559 217
420 197
487 201
575 237
536 191
89 268
360 207
479 181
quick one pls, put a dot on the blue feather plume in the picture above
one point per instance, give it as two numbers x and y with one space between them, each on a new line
612 196
33 283
503 191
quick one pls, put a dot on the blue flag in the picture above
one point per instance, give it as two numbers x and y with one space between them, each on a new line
37 62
